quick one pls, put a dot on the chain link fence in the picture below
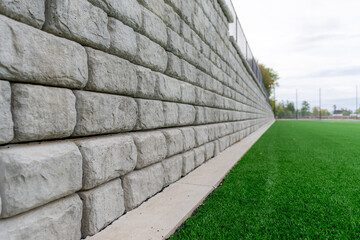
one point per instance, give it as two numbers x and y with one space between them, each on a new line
237 32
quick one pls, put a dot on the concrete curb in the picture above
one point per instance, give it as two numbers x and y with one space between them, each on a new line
161 215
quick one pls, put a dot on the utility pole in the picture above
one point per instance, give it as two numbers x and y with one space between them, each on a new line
320 102
356 100
296 110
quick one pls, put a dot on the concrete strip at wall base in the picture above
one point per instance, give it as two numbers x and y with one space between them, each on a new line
160 216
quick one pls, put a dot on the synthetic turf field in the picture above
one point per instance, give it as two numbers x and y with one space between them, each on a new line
301 180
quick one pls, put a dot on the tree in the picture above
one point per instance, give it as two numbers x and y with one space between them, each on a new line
305 109
269 77
346 112
325 112
315 111
334 108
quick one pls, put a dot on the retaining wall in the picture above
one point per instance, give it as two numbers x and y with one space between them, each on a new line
103 103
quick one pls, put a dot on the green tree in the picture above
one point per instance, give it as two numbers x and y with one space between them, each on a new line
269 77
315 111
305 109
346 112
325 112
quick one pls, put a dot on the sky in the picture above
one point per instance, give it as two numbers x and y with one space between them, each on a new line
311 44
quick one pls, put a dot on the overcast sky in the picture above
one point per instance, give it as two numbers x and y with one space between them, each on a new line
310 43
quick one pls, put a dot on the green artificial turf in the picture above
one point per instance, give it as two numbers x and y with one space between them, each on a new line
301 180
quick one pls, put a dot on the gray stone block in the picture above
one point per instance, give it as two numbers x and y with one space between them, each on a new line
189 138
188 72
42 112
150 54
224 143
6 122
146 82
99 113
172 169
199 156
151 114
142 184
30 12
200 115
185 31
153 27
128 11
209 150
110 74
168 88
156 6
171 18
57 220
59 62
174 66
174 141
122 39
188 93
101 206
201 135
175 43
151 148
188 162
187 114
106 158
77 20
37 174
171 114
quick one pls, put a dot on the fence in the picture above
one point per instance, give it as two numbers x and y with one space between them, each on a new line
237 32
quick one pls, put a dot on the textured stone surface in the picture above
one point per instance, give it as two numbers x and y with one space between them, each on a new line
175 43
6 122
128 11
122 39
103 113
174 66
33 175
199 156
105 158
150 54
31 12
171 18
168 88
189 138
172 169
187 114
142 184
101 206
187 93
42 112
78 20
174 141
209 150
110 74
57 220
151 114
155 6
151 148
153 27
146 82
201 135
188 162
171 113
59 62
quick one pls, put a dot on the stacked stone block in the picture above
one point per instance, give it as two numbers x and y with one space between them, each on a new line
126 96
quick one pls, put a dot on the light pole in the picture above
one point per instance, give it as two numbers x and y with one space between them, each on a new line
320 102
296 110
